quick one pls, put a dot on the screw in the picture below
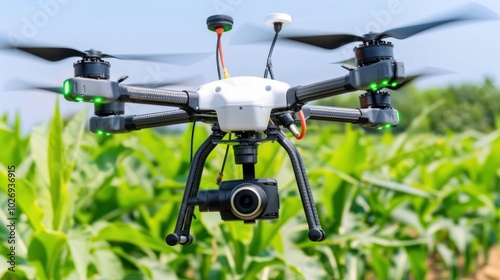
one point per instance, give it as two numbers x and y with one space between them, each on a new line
268 88
217 89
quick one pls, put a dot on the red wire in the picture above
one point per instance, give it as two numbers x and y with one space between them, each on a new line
219 32
303 126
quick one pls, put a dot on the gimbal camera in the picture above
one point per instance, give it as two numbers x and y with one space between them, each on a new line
253 109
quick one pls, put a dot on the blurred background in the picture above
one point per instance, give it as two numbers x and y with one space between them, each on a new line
420 201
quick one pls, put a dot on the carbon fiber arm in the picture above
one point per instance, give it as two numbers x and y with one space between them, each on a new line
371 77
369 117
323 89
141 95
128 123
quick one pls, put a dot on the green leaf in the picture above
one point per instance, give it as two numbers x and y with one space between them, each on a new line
72 138
336 189
238 250
38 144
380 263
449 257
491 166
79 248
45 252
107 263
417 256
119 232
258 264
13 144
265 232
397 187
26 201
57 168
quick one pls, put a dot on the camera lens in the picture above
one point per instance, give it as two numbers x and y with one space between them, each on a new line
248 201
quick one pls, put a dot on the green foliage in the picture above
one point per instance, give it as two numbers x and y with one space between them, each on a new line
96 207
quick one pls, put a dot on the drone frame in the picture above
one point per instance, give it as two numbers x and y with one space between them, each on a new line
195 106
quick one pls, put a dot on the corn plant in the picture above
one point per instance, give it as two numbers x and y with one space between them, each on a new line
395 206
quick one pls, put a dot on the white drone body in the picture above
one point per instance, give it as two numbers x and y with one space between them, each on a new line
243 103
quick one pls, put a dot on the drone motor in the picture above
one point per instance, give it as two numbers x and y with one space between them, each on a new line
92 66
373 51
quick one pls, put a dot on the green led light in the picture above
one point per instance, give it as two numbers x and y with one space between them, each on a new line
385 82
388 125
108 134
66 88
100 132
394 84
398 116
98 99
79 99
373 86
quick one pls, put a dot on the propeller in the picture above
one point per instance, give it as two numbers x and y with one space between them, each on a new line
351 61
427 71
249 33
332 41
60 53
21 85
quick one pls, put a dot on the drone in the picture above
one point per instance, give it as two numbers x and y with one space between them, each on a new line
252 110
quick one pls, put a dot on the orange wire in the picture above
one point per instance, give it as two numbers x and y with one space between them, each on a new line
302 126
219 32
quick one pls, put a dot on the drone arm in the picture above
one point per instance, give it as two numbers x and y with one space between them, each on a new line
158 119
302 94
386 73
103 91
124 123
369 117
336 114
152 96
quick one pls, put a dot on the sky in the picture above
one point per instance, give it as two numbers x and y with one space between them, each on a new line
142 27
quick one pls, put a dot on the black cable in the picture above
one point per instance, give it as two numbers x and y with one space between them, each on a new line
217 57
192 143
225 157
269 70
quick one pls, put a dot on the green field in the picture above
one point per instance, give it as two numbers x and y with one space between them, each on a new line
418 202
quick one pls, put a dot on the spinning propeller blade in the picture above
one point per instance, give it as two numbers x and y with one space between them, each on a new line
182 59
51 53
60 53
17 84
465 13
350 61
428 71
333 41
248 33
328 42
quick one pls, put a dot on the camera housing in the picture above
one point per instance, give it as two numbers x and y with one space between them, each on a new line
247 200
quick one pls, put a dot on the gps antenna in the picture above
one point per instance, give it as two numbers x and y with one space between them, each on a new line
277 21
220 24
